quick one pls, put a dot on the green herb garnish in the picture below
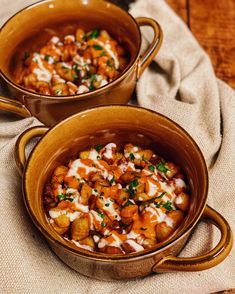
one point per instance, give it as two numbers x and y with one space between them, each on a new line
131 188
61 197
144 159
167 205
26 56
133 183
103 225
57 92
47 57
109 63
112 180
64 197
75 76
101 214
93 34
97 47
151 168
103 53
128 203
107 204
157 204
161 167
98 147
132 156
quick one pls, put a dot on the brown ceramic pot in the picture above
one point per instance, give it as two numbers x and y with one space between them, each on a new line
88 14
121 124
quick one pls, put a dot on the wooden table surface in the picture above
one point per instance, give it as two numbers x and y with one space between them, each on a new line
213 24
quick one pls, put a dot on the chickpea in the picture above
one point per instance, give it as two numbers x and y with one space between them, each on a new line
64 71
59 174
60 89
105 34
84 154
88 241
80 227
177 216
172 169
62 221
85 192
163 231
29 80
182 201
149 243
80 34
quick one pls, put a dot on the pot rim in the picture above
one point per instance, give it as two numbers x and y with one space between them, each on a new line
118 257
83 95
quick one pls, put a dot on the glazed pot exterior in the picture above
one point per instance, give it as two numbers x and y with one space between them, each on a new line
116 270
121 124
51 111
28 24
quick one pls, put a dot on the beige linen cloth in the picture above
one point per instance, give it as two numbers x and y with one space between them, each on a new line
180 84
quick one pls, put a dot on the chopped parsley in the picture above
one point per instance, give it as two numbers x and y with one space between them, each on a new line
47 57
92 80
167 205
103 224
161 167
157 204
64 197
131 188
57 92
77 70
93 34
75 76
97 47
98 147
103 53
109 63
100 214
161 195
112 180
143 158
128 203
151 168
26 56
133 183
132 156
107 204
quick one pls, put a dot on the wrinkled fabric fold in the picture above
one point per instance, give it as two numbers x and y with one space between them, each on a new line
181 84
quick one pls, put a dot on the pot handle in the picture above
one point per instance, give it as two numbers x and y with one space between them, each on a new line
14 106
21 143
153 48
205 261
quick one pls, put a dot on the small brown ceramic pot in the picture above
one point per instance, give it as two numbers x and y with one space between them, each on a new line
88 14
121 124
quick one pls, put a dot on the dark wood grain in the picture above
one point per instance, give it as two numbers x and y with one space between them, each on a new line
213 23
